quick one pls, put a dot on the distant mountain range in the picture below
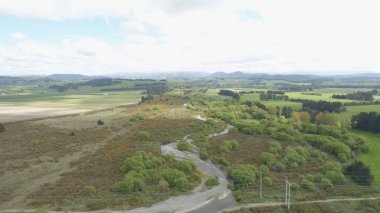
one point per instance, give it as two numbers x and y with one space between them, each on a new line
349 78
71 77
263 76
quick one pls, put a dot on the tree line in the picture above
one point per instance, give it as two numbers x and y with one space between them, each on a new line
362 96
321 106
367 121
230 93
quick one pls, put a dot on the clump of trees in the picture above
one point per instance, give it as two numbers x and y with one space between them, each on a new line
301 117
141 171
287 111
147 98
321 106
362 96
326 119
274 95
230 93
243 175
367 121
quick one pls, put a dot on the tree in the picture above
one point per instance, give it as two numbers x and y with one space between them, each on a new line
360 173
326 118
301 117
100 122
272 110
304 117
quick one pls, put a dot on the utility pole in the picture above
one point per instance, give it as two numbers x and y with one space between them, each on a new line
261 184
287 193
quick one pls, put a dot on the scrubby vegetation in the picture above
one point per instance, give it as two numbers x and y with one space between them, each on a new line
280 147
141 171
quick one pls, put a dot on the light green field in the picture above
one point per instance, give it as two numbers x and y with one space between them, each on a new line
345 117
79 101
256 97
325 96
372 158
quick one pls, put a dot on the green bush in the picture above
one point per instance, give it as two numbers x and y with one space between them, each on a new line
275 147
243 175
308 185
228 146
267 181
186 166
212 181
220 160
203 153
267 158
336 177
330 166
100 122
143 135
137 117
326 183
175 178
35 142
183 146
277 166
89 191
294 186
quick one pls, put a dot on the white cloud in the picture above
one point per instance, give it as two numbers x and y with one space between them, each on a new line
18 36
174 35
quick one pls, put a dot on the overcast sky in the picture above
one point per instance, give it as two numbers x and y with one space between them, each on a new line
113 36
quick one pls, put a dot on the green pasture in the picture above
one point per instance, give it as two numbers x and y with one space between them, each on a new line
345 117
372 158
324 96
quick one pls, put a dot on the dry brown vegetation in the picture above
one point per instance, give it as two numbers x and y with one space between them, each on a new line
44 164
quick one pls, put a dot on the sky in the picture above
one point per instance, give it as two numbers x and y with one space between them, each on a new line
98 37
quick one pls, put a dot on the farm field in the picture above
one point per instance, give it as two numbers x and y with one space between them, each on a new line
345 117
372 158
324 96
29 106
